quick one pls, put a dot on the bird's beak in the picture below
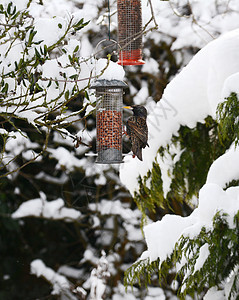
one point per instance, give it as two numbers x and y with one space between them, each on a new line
128 107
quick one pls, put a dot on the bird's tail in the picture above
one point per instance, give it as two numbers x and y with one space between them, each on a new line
137 150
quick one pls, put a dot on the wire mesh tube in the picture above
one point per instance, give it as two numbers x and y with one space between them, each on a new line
130 32
109 121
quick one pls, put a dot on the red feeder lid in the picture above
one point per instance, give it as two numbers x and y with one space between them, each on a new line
128 62
130 57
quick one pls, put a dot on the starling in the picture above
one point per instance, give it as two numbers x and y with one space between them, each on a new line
137 129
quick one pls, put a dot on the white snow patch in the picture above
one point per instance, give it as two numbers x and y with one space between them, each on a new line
109 70
225 168
214 294
203 255
59 282
47 209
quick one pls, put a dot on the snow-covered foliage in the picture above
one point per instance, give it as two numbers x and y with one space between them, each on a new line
59 282
46 209
193 242
60 209
189 98
98 278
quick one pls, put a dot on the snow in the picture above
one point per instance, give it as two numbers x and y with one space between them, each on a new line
3 131
109 70
214 294
31 207
203 255
225 169
106 207
70 272
142 94
150 66
131 219
166 166
156 292
192 95
101 180
230 86
98 278
49 31
19 143
66 159
161 236
59 282
189 98
47 209
209 18
30 154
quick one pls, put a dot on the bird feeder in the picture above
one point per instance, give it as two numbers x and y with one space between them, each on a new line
109 111
130 32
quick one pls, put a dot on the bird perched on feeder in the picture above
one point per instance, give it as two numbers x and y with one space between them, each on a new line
137 129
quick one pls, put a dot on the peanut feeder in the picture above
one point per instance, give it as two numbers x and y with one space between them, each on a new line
130 32
109 96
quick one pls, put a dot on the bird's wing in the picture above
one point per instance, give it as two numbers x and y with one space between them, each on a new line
137 128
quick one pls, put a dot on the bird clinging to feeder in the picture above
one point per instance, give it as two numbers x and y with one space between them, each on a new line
137 129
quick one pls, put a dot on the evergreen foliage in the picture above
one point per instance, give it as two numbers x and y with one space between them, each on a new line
199 147
149 197
221 263
227 114
140 271
222 260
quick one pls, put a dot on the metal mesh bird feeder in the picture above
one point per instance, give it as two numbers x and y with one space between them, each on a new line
109 111
130 32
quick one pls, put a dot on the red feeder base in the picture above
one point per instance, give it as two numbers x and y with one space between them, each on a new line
131 57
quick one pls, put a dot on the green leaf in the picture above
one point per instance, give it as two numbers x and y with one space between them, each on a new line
87 95
79 25
45 50
38 55
76 48
31 36
5 88
9 8
67 93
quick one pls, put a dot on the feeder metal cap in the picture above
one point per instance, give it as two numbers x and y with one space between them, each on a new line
115 83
